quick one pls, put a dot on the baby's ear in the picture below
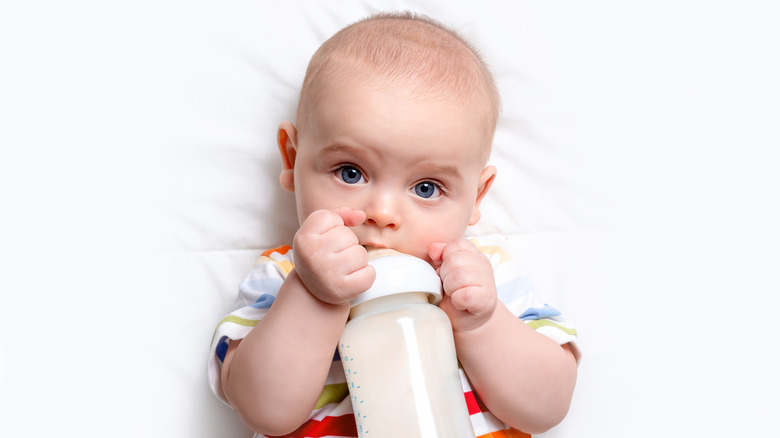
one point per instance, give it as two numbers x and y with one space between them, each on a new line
485 181
286 139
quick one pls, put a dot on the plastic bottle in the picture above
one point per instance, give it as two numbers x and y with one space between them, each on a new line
399 355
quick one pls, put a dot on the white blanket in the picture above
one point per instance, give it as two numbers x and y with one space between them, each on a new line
636 157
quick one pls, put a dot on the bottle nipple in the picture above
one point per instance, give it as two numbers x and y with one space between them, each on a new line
376 252
397 272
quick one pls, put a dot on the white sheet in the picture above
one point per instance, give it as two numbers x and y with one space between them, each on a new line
637 183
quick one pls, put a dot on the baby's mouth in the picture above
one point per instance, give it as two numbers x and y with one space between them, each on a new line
375 252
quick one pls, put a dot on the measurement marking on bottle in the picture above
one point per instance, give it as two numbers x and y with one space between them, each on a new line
349 373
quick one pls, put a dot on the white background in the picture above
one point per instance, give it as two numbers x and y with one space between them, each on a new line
664 115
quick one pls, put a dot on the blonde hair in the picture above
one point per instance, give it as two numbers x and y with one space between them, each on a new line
409 49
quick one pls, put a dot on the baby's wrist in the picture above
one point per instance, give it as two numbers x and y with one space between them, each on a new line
316 296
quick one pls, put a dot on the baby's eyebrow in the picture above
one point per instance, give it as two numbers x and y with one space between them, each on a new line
441 169
339 148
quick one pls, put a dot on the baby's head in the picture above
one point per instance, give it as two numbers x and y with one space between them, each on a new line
410 53
396 118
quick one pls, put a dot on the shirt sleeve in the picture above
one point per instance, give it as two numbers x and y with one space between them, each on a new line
515 290
255 295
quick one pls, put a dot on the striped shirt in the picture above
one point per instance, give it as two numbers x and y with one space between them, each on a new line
332 415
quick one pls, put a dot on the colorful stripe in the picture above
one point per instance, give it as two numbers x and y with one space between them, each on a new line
342 426
278 256
280 249
334 393
235 320
492 250
508 433
240 321
537 323
474 404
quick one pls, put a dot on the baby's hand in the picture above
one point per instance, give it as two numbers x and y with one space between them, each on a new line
328 257
469 286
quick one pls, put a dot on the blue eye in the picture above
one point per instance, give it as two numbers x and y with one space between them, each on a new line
351 175
426 189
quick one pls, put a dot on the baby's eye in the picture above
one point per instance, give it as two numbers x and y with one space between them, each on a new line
427 189
350 175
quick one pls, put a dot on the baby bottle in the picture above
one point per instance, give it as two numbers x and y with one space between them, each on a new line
399 355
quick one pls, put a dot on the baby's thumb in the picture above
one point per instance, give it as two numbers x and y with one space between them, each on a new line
435 251
351 217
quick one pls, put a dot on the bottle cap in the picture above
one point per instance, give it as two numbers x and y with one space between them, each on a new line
398 273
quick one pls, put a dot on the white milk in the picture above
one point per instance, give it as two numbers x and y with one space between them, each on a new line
399 356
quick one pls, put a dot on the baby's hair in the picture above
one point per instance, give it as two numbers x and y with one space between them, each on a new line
429 59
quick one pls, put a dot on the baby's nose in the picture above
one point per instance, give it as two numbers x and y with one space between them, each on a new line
382 212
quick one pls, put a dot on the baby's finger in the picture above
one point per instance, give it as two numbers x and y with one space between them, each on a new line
352 258
340 238
471 299
350 217
359 281
455 277
460 300
321 221
458 246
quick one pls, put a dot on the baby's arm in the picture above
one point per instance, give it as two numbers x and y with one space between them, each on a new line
523 377
274 376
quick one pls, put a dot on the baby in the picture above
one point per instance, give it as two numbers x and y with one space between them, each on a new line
390 147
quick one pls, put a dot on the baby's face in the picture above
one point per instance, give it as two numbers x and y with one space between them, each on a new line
414 166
